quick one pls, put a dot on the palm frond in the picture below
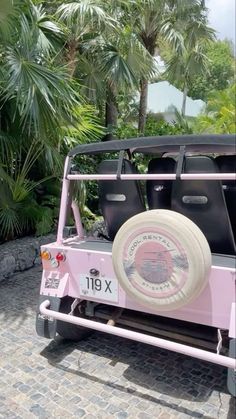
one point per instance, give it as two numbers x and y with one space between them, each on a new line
173 36
7 146
124 62
86 130
92 80
47 30
9 223
83 12
197 30
9 217
43 95
45 221
9 12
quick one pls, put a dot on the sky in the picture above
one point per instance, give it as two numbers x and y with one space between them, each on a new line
222 18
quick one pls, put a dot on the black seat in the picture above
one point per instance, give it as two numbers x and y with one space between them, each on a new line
227 164
119 199
203 202
159 191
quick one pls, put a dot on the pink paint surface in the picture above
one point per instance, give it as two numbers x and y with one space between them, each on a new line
212 307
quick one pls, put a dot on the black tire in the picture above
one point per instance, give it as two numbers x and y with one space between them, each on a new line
67 330
231 378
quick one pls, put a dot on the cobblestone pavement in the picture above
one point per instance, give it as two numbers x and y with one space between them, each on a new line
102 377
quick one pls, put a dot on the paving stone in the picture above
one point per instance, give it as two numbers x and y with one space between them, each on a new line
121 415
24 388
37 410
80 413
36 396
143 415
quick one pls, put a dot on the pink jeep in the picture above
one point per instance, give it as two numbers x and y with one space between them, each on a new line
163 273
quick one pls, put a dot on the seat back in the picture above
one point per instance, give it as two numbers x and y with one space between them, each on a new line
159 191
119 199
203 202
227 164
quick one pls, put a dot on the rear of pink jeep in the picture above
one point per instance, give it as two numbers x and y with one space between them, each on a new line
164 271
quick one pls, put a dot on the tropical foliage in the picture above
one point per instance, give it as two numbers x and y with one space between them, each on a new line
104 54
156 125
39 105
70 71
191 61
182 26
221 65
220 113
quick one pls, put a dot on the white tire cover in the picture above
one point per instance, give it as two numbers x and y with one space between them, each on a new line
161 259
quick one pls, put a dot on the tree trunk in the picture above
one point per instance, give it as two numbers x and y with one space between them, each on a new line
143 106
111 114
183 110
71 56
149 42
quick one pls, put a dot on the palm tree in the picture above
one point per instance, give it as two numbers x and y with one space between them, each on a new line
37 95
158 20
85 20
103 54
185 65
122 62
38 100
38 91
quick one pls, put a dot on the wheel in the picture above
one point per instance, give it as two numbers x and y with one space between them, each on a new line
161 259
231 376
67 330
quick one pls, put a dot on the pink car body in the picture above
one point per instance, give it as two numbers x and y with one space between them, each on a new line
69 261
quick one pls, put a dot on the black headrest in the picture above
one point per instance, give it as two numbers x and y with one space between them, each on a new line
203 202
119 199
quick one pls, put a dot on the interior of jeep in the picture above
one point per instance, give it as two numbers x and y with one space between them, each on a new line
211 204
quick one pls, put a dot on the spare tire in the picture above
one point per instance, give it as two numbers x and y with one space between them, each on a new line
161 259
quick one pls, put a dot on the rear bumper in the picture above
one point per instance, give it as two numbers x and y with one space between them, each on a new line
213 307
137 336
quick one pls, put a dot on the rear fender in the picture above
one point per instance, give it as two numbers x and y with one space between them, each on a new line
46 326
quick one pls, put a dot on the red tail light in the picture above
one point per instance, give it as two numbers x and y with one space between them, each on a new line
60 257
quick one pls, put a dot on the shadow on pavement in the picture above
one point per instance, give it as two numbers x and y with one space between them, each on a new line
161 372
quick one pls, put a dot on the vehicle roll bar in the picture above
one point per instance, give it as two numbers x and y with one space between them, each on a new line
139 337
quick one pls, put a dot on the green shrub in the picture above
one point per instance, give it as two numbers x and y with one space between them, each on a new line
219 117
156 125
